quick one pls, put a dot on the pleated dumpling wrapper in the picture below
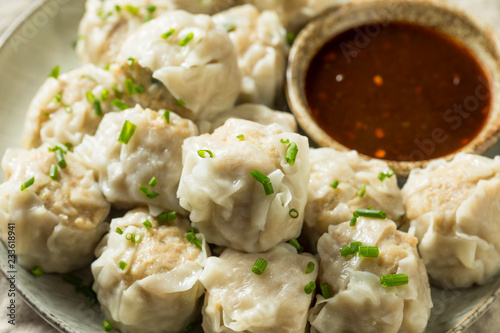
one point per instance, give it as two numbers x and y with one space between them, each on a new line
260 42
68 106
147 273
358 300
245 185
57 216
453 210
341 183
188 59
240 300
145 170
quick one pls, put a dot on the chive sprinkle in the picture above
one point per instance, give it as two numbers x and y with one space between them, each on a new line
153 182
72 279
368 251
37 271
132 9
291 153
54 171
293 213
186 39
180 102
134 238
54 72
168 33
128 130
104 94
107 325
310 267
122 265
131 61
166 115
325 290
203 153
393 280
335 184
144 190
240 137
382 176
60 159
191 237
259 267
147 224
166 217
120 105
129 86
139 89
371 213
264 180
295 243
118 8
28 183
348 250
362 191
95 102
290 38
310 287
57 97
119 231
285 141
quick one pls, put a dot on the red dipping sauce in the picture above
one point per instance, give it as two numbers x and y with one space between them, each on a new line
398 91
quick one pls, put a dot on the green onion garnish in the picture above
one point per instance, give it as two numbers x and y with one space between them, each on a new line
191 237
285 141
290 38
122 265
118 8
139 89
295 243
259 267
310 267
119 231
362 191
68 108
393 280
147 224
153 182
120 105
383 176
168 33
264 180
37 271
325 290
144 190
94 101
132 10
72 279
107 326
293 213
131 61
28 183
134 238
104 94
54 171
241 137
54 72
372 213
60 159
166 217
335 184
291 153
202 153
180 102
186 40
310 287
166 115
368 251
58 97
348 250
128 130
129 86
151 9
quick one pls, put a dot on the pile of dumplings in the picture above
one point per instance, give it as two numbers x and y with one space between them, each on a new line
224 215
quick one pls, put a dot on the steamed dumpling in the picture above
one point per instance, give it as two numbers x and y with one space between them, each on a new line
359 303
58 222
327 205
238 300
260 42
154 150
453 210
62 112
193 60
149 283
106 24
226 203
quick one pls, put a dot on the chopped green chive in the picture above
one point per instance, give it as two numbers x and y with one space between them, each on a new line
54 171
291 153
72 279
290 38
128 130
118 8
293 213
57 97
104 94
134 238
147 224
382 176
28 183
371 213
362 191
60 159
119 231
310 267
37 271
203 153
153 182
240 137
129 86
368 251
310 287
168 33
335 184
139 89
295 243
94 101
348 250
54 72
285 141
151 9
120 105
166 115
107 326
393 280
57 147
191 237
131 61
264 180
144 190
166 217
117 92
180 102
259 267
132 10
186 39
68 109
230 26
325 290
122 265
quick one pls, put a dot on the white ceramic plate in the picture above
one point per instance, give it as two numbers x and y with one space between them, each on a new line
41 40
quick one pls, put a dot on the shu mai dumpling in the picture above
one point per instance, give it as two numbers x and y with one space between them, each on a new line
453 210
68 107
260 42
189 59
359 302
232 207
147 273
238 300
59 219
341 183
154 150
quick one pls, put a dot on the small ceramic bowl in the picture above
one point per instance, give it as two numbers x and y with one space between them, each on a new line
435 14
